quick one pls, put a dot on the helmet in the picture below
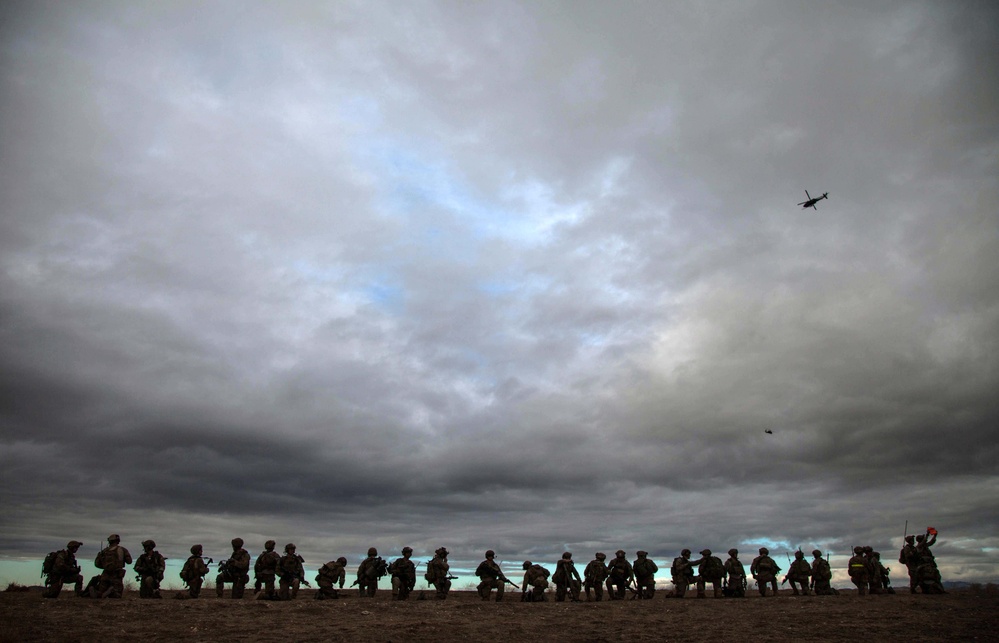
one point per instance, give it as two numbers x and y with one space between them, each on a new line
868 549
269 545
799 554
196 549
341 560
705 552
114 538
817 553
237 543
620 553
289 547
527 564
442 552
920 538
601 555
733 552
858 549
567 556
148 544
764 551
876 554
909 539
685 552
407 550
74 544
641 554
372 552
490 553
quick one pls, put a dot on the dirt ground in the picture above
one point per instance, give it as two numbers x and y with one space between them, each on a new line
958 616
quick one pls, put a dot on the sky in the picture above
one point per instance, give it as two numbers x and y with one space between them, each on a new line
529 277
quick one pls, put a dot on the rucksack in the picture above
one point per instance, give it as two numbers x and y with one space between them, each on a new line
713 568
49 563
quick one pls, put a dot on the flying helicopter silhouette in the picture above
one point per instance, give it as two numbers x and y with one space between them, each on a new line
810 203
768 431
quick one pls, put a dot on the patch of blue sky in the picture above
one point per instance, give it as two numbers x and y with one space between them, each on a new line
773 545
385 295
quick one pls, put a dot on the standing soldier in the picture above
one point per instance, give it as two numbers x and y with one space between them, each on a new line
368 572
645 575
403 575
910 558
292 573
566 579
150 568
736 575
491 577
439 573
535 583
765 569
859 570
235 570
329 575
710 569
594 576
63 569
620 575
874 583
799 573
193 573
265 571
821 575
927 571
111 561
682 573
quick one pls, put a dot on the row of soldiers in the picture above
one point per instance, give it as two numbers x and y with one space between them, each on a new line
619 576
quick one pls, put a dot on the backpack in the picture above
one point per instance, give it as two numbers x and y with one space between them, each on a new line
49 563
712 568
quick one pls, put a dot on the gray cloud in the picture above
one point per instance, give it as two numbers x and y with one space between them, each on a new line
499 276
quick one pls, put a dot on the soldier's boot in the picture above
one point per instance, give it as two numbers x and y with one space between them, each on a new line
794 591
219 589
718 592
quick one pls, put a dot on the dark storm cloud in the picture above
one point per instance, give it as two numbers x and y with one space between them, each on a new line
499 276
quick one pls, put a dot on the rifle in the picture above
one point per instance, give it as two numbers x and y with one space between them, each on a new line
503 578
788 556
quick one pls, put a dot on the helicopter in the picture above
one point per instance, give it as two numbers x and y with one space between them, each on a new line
810 203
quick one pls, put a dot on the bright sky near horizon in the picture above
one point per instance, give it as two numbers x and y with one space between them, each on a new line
509 275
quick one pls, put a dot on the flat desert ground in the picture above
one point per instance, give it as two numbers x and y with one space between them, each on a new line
958 616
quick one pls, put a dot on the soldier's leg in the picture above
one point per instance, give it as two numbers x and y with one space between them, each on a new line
680 589
283 589
773 585
700 588
220 585
574 588
54 587
239 586
194 586
716 587
396 587
500 588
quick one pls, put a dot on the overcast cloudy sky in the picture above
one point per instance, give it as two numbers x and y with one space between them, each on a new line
521 276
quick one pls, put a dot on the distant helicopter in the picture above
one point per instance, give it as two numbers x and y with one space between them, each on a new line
810 203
